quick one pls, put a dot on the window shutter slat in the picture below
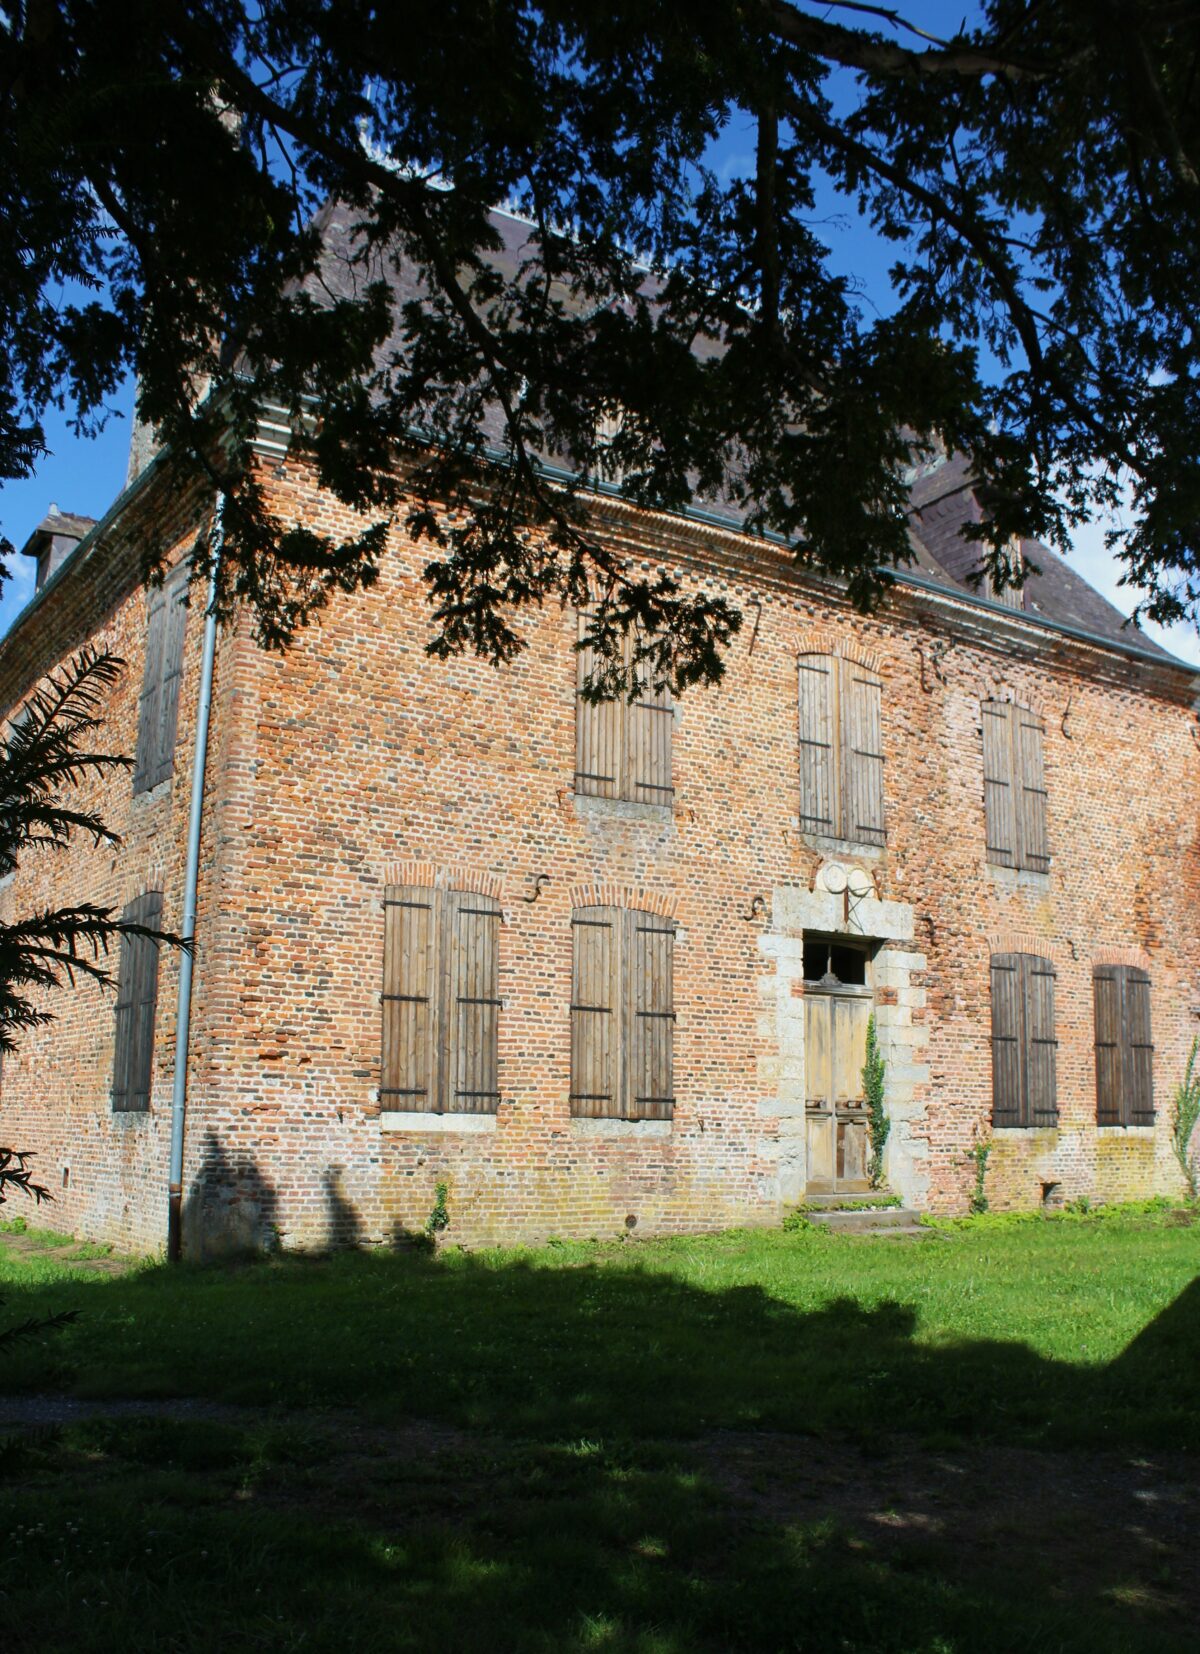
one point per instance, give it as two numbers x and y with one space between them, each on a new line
650 722
649 955
817 694
1007 1041
1106 996
862 762
595 1012
1041 1046
473 1014
174 628
150 700
412 924
137 1003
998 789
599 727
1030 789
1139 1049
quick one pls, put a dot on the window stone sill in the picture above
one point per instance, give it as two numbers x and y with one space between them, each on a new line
589 807
583 1126
128 1119
152 795
437 1124
841 846
1017 878
1146 1133
1027 1133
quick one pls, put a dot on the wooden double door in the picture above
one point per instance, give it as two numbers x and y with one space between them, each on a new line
835 1035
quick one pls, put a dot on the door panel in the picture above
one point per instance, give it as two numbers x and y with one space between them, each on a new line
835 1051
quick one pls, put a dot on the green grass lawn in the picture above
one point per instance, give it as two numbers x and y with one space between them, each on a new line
759 1441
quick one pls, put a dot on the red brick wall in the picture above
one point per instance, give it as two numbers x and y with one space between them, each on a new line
355 753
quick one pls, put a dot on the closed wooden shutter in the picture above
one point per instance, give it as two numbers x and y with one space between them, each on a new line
408 1078
1041 1045
1030 789
137 1004
174 627
150 702
599 734
862 748
649 723
649 955
819 812
1139 1049
473 932
1106 997
595 1011
1124 1049
999 794
1008 1040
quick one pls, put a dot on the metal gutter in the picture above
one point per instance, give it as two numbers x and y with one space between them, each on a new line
191 875
1078 633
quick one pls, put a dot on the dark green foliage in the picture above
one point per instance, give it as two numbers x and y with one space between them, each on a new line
874 1076
46 755
1185 1113
163 161
979 1154
439 1216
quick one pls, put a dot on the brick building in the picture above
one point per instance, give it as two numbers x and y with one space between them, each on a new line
604 969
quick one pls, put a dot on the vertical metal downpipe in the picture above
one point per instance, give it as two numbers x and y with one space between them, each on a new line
191 875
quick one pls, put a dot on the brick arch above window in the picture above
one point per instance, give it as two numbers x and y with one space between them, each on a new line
441 876
1138 958
1024 941
604 894
1001 689
823 640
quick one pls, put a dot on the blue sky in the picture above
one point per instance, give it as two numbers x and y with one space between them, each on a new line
85 475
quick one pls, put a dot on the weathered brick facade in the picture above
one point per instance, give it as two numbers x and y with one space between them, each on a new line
354 762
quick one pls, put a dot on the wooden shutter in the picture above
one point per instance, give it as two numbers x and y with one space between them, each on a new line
1106 996
408 1078
649 723
150 701
1008 1040
595 1011
818 754
1124 1049
137 1003
1030 790
599 734
649 956
1041 1047
1139 1049
999 794
174 626
862 760
473 1014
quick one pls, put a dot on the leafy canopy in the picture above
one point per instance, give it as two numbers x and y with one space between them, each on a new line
162 163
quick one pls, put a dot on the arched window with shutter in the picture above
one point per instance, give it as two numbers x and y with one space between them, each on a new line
1124 1049
1014 787
622 1014
1024 1047
441 1001
841 748
623 746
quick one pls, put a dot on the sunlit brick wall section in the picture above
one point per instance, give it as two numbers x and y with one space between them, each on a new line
355 755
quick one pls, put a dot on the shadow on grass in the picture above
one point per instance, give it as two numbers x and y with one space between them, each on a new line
563 1498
